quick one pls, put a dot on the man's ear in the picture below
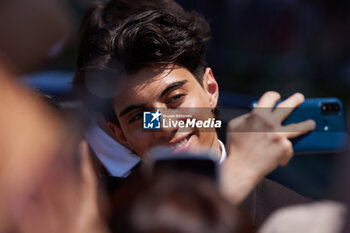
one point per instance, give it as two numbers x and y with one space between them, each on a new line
118 134
211 87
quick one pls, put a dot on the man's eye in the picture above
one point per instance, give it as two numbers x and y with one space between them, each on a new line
136 117
176 98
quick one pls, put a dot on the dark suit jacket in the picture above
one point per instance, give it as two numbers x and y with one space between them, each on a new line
267 197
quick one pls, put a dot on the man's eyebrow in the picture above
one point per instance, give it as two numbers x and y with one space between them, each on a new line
130 108
172 86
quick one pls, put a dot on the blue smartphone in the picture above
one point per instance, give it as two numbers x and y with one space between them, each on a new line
330 134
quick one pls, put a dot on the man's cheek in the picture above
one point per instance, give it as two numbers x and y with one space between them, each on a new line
137 142
198 102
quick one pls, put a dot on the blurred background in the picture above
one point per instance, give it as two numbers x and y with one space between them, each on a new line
281 45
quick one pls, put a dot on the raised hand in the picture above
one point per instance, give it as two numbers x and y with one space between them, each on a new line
257 142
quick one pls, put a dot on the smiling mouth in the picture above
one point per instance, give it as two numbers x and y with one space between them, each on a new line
181 145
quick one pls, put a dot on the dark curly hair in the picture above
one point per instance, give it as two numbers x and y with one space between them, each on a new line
154 35
102 14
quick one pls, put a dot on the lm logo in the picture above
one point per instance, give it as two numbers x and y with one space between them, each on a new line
151 120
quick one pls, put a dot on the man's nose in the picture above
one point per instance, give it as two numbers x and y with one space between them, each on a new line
164 133
168 123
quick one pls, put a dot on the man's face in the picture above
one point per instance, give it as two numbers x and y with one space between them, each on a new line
172 88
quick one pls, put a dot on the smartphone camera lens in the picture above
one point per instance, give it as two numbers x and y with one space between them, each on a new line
330 108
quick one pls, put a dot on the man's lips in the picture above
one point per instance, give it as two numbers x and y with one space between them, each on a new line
181 143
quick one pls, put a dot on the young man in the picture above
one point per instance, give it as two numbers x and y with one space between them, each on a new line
157 61
114 159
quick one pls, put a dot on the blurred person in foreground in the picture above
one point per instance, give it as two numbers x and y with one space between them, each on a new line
174 202
47 183
323 216
155 59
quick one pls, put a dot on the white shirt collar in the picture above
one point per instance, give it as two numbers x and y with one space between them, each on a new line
117 159
223 152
